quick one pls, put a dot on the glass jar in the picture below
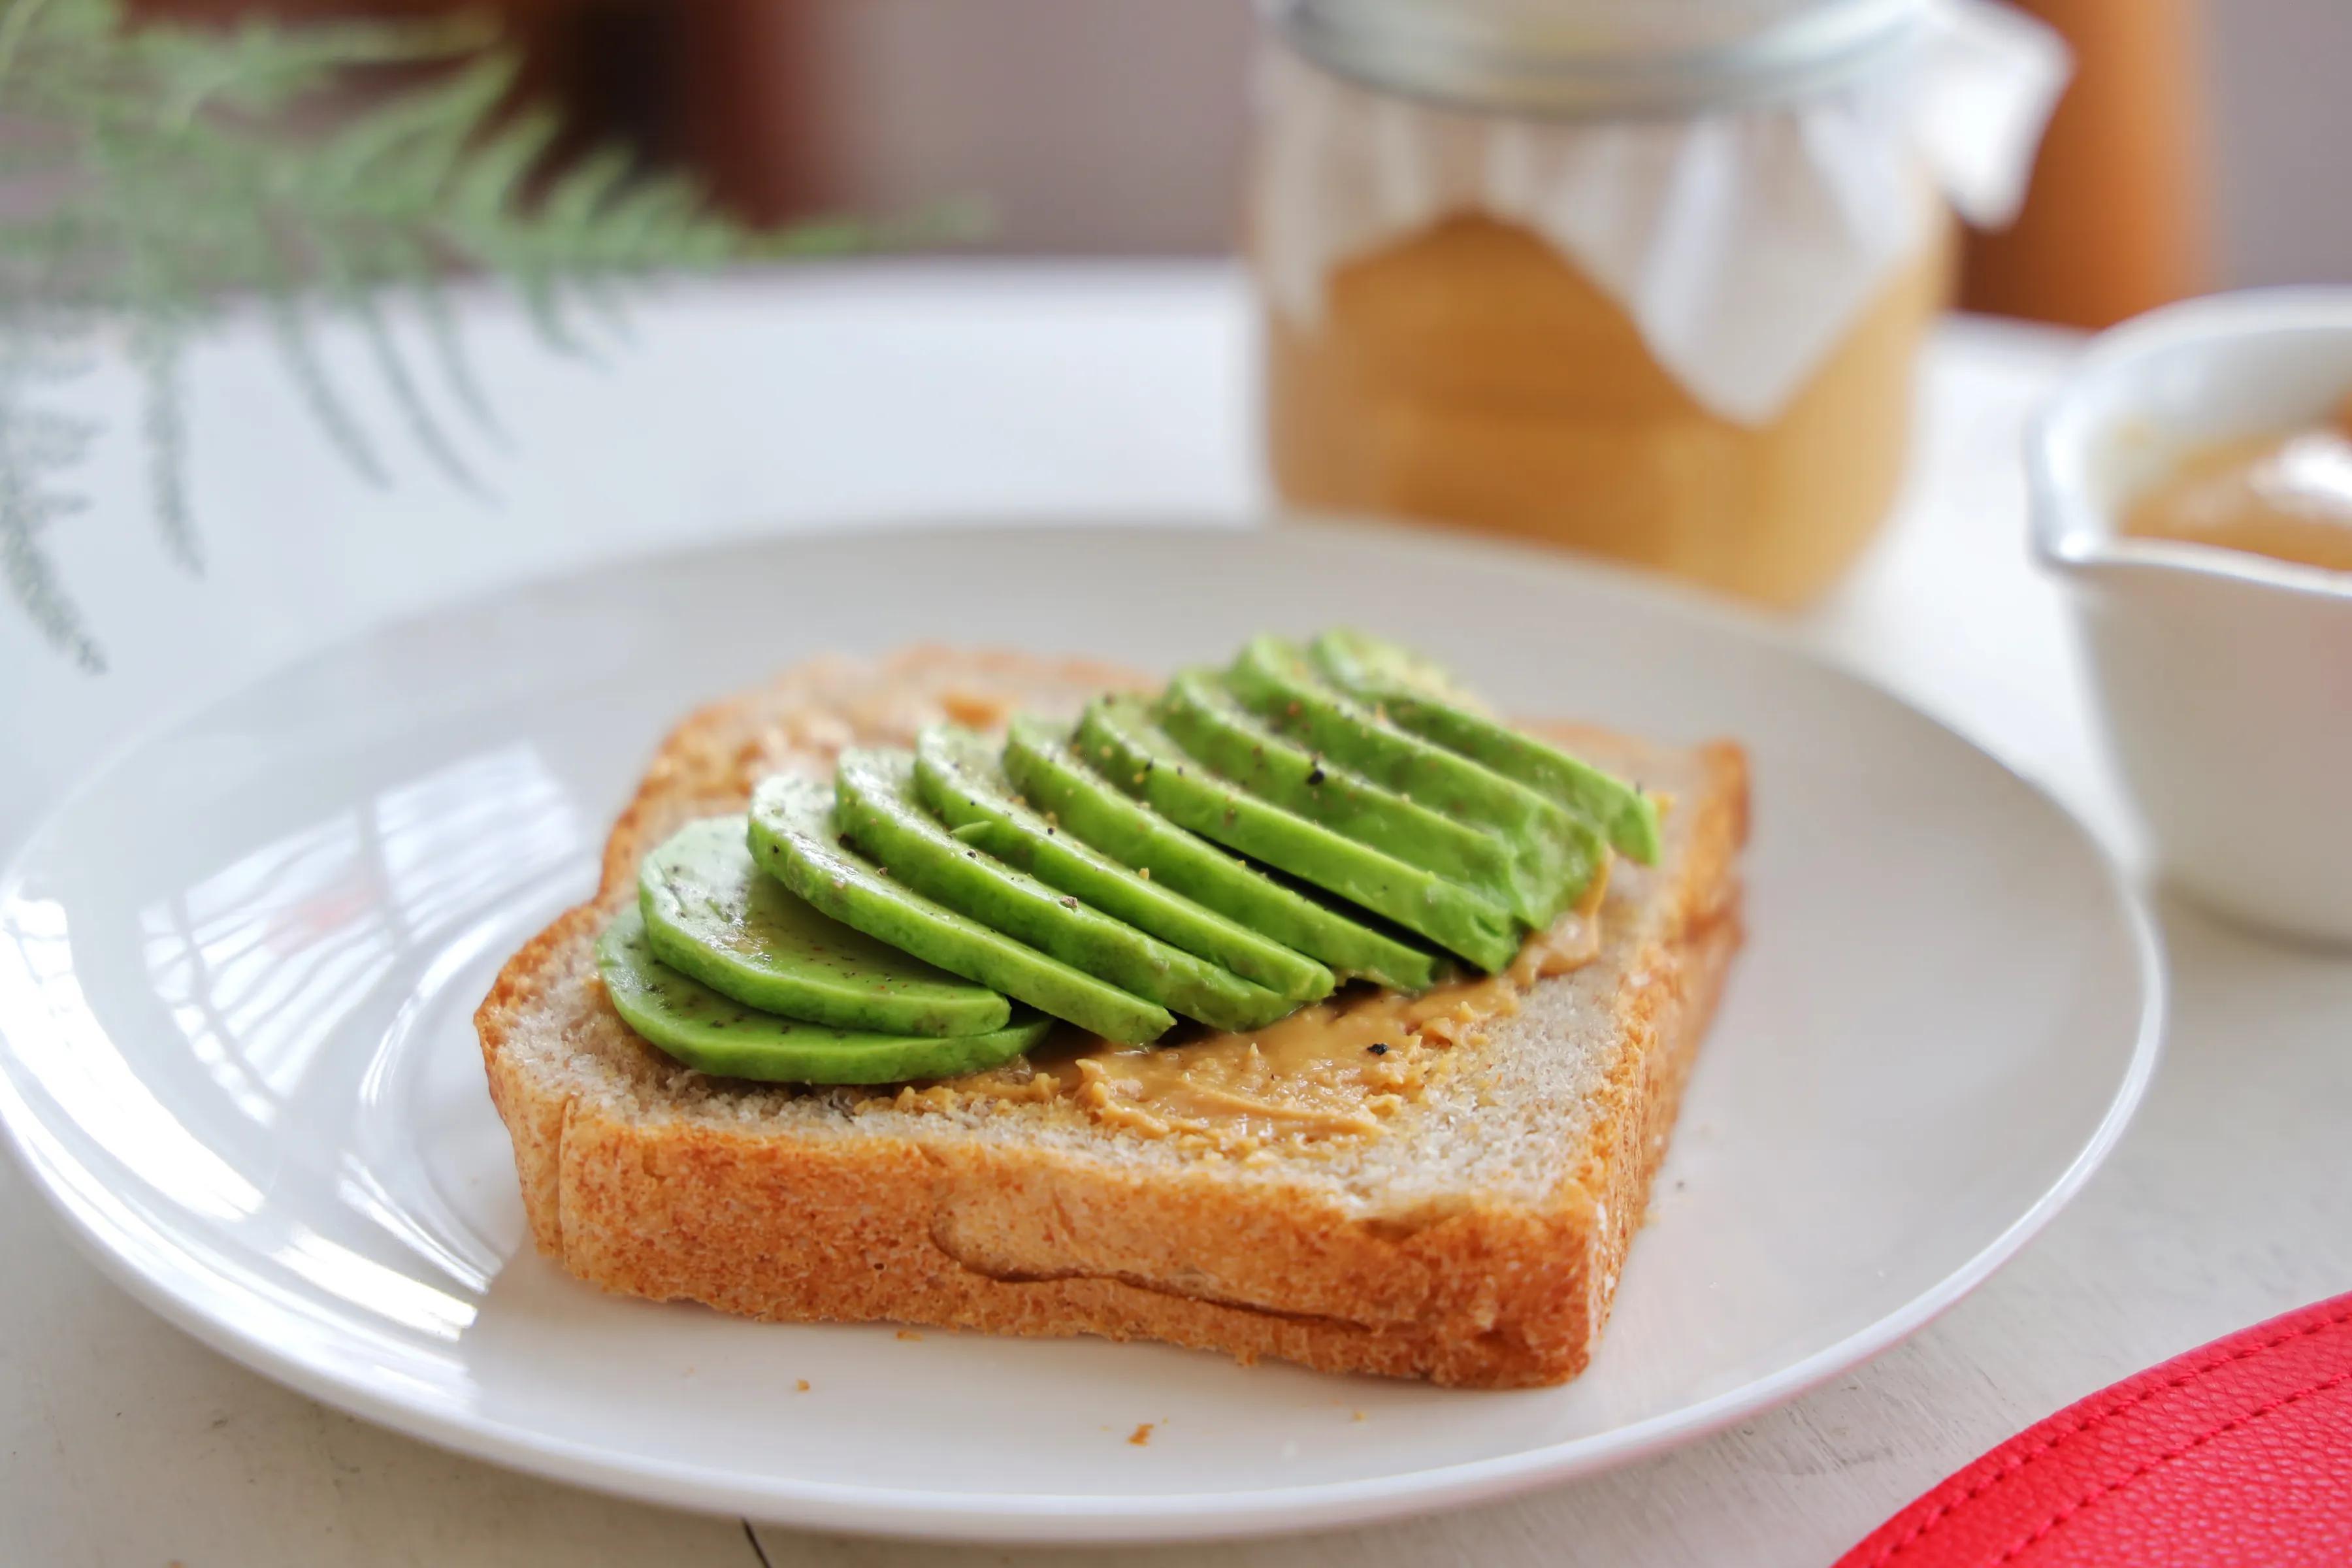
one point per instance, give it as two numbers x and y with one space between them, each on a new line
1644 278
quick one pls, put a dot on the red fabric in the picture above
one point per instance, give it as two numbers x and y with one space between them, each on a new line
2239 1453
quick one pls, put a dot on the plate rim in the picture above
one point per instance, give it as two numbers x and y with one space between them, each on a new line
1136 1519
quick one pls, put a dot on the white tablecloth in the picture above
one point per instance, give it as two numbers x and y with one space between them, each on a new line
1018 391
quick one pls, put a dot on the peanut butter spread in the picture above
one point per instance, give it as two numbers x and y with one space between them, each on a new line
1333 1069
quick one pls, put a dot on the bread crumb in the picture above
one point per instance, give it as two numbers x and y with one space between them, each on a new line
1355 1415
1142 1433
908 1334
974 709
800 1385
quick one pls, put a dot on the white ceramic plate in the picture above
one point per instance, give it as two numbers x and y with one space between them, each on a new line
237 973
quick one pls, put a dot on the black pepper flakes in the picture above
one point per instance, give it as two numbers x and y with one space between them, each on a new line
1379 1048
1316 775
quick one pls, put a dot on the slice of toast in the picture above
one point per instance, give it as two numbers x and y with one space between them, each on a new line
1475 1239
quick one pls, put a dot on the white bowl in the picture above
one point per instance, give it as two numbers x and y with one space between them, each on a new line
2226 678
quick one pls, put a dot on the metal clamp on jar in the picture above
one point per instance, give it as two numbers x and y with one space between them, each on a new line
1639 279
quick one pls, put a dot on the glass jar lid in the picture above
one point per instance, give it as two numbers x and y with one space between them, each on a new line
1598 58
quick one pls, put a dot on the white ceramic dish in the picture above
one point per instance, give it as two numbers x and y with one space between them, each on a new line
2226 678
237 973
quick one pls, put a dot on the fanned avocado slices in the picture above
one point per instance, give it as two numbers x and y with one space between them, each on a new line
875 804
712 915
718 1035
1080 800
1201 716
1418 696
1228 850
1557 850
959 777
1117 735
795 839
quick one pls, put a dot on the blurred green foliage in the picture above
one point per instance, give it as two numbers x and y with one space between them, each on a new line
151 175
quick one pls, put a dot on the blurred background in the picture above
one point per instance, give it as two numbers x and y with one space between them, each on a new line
2211 135
1674 313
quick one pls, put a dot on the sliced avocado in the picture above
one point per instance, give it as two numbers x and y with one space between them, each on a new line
1557 850
795 840
875 804
959 777
1409 669
716 1034
1078 800
1413 693
714 916
1201 716
1117 735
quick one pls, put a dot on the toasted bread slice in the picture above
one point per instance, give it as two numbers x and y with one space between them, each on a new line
1475 1239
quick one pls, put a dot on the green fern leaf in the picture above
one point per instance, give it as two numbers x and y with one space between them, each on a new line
178 188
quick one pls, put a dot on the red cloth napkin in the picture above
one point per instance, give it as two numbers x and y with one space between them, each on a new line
2239 1453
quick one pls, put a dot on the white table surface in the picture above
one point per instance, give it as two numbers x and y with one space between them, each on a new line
830 396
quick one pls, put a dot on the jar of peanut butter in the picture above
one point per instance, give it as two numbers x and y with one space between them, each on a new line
1642 278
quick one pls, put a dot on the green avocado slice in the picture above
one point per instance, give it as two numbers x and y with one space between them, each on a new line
714 1033
712 915
874 802
960 780
1117 736
1557 850
1413 693
1080 801
795 840
1201 716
